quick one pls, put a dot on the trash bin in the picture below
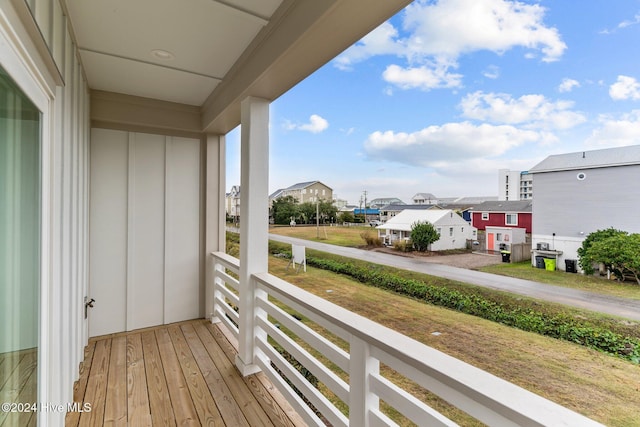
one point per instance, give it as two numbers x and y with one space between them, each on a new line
570 266
539 261
506 256
550 264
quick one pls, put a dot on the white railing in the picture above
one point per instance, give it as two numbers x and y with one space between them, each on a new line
344 351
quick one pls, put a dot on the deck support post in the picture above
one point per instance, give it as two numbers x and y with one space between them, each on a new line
214 199
254 224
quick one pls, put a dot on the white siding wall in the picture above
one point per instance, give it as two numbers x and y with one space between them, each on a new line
145 230
64 148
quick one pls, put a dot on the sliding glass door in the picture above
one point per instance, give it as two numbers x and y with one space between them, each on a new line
20 124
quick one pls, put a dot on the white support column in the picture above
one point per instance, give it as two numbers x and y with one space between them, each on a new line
214 211
254 221
361 399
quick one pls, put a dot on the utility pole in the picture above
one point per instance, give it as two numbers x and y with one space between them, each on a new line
365 206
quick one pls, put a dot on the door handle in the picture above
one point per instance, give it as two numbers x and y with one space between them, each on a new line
87 304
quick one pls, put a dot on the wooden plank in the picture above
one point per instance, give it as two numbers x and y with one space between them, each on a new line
115 411
28 394
159 400
16 381
202 399
97 385
228 407
79 388
183 407
272 402
253 412
138 413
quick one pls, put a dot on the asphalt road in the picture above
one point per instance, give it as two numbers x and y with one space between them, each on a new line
621 307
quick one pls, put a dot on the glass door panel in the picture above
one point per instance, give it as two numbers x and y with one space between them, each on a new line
19 250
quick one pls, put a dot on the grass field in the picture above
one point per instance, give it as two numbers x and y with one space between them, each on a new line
340 236
600 386
524 270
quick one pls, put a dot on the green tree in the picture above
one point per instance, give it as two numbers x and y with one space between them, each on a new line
423 234
620 253
585 260
284 209
346 217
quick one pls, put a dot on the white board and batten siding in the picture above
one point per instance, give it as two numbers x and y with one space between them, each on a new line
145 230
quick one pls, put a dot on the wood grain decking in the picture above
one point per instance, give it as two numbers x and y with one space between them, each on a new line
18 383
176 375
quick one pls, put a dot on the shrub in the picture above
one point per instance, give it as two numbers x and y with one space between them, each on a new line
556 325
371 239
585 259
423 234
402 245
620 253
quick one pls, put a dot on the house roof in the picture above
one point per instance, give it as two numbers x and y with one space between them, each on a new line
426 196
504 206
301 185
276 193
384 201
400 207
608 157
405 219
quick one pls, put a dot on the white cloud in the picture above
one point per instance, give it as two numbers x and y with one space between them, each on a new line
568 85
316 124
625 88
439 146
531 111
491 72
439 33
381 41
454 27
423 78
621 131
624 24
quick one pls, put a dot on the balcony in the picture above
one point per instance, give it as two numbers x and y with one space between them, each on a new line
180 374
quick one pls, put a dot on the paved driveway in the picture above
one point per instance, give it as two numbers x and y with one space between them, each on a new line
626 308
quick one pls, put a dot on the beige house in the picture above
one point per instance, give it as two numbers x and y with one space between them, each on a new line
112 170
303 192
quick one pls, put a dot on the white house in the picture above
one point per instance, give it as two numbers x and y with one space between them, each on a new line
582 192
454 230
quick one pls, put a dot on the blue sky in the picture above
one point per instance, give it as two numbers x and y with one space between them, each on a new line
447 92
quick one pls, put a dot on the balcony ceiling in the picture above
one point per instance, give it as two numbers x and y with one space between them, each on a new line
213 53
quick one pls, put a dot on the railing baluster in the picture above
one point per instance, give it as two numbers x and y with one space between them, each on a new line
361 400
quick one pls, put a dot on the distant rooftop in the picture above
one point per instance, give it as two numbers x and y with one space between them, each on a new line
608 157
504 206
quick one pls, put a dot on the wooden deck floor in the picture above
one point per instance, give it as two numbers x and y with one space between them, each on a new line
175 375
18 383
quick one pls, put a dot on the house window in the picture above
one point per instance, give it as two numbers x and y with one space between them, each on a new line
511 219
450 231
485 216
499 237
439 230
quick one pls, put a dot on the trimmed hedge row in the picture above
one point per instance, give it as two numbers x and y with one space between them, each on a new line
560 326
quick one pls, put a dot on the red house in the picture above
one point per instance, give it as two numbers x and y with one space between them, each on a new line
504 213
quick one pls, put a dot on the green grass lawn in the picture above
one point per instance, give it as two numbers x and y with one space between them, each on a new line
524 270
339 236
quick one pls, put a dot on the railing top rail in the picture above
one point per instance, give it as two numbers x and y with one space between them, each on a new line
505 398
231 262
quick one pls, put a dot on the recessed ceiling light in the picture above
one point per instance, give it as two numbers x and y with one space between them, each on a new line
162 54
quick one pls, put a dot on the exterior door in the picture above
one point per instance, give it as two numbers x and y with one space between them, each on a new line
490 242
145 230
